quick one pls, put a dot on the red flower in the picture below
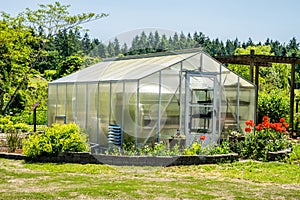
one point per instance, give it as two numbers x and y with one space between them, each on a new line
266 124
259 127
250 123
286 125
282 120
273 126
248 129
265 118
202 137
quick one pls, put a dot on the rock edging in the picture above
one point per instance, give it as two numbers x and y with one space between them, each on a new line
88 158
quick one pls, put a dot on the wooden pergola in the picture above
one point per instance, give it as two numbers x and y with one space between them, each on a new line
256 61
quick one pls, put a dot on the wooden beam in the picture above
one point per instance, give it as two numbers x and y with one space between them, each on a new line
247 59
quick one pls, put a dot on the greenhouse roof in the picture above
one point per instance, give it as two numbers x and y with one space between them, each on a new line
138 67
124 69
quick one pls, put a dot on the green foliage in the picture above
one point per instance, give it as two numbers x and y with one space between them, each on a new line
194 149
14 140
158 149
223 148
274 104
294 156
268 137
35 41
5 123
55 139
8 123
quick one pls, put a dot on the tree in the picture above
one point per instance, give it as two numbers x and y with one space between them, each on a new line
35 28
124 49
16 50
156 40
163 45
86 44
117 47
111 49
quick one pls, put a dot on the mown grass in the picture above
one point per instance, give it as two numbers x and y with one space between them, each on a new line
239 180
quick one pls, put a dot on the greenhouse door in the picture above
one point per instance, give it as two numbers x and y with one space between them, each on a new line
200 106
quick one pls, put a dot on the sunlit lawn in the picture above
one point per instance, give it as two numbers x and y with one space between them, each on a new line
240 180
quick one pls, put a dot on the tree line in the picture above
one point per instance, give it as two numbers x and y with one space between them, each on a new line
154 42
38 46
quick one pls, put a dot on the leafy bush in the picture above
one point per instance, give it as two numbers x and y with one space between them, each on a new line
274 104
5 124
55 139
268 137
223 148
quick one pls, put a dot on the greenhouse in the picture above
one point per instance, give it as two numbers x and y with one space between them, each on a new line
153 98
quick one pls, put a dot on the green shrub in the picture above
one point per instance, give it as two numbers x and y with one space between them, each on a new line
56 139
274 104
5 124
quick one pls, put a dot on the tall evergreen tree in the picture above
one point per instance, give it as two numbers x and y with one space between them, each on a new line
86 44
117 49
111 49
156 40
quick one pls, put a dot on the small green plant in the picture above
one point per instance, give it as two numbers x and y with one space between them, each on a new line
194 149
223 148
295 154
14 140
158 149
56 139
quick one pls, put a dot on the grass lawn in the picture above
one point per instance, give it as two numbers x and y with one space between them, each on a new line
239 180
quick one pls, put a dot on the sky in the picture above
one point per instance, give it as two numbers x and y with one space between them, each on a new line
223 19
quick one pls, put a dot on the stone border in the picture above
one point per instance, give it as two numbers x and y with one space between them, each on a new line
164 161
278 155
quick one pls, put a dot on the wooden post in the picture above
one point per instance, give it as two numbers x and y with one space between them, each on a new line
256 92
251 65
292 96
34 114
34 119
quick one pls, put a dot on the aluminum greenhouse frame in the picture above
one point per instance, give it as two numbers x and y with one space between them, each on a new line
154 98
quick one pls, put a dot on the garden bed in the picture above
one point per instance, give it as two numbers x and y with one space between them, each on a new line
88 158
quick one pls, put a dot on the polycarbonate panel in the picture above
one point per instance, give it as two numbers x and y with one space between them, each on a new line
170 102
192 63
103 112
71 103
127 69
116 102
61 100
92 119
149 89
51 103
230 103
209 64
247 106
81 104
129 109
